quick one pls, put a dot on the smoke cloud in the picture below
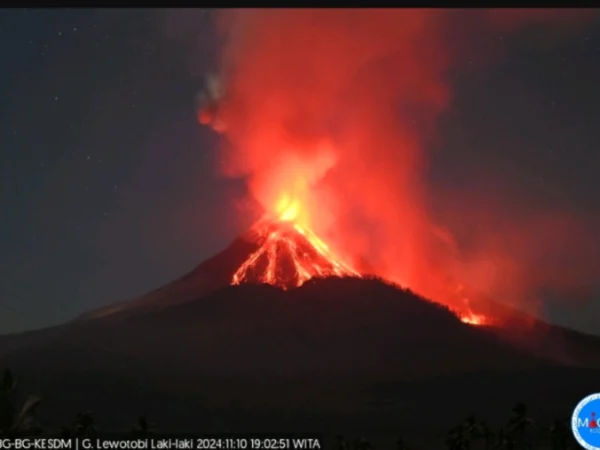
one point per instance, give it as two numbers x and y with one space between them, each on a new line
337 108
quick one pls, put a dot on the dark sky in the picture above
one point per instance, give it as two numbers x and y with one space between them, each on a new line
108 187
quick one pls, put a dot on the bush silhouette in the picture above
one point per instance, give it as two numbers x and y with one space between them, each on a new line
18 419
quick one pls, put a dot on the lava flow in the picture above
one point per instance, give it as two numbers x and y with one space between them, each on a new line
289 254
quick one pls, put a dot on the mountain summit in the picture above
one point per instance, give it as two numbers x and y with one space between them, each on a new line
287 256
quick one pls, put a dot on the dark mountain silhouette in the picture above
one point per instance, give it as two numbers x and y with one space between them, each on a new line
515 327
207 277
334 352
241 355
326 328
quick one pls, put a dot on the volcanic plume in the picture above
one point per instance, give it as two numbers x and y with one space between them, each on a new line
329 113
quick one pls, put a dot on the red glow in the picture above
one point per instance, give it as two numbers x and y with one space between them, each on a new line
288 256
328 114
205 117
473 319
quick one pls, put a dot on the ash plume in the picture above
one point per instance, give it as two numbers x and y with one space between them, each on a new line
338 109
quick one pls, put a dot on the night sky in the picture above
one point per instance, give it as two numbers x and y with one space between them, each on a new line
108 185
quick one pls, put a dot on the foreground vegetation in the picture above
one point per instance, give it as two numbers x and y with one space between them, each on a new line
520 432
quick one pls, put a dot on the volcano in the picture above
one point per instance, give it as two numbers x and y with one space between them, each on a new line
281 253
277 318
259 357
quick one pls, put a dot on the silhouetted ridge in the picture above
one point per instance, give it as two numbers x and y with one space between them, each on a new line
212 274
332 332
326 328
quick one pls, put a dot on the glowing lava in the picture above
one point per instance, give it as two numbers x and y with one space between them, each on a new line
289 254
473 319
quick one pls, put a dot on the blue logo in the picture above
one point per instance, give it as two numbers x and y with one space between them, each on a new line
585 422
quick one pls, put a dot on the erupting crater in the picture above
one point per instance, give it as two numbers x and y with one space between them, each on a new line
287 256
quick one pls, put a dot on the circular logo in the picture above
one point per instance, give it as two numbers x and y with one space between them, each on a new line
585 422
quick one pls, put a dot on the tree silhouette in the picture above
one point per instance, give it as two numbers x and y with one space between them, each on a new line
521 423
487 434
457 439
362 444
83 426
559 434
16 420
401 444
341 444
473 427
505 440
463 435
143 427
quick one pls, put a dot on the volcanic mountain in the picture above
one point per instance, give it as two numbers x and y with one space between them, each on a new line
285 255
279 252
277 318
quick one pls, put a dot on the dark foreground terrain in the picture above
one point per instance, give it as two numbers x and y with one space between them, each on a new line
337 355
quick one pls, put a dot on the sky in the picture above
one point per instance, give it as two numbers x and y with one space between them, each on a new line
109 187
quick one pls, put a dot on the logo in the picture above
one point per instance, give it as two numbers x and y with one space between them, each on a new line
585 422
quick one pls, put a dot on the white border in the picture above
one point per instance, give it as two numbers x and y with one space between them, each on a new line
575 416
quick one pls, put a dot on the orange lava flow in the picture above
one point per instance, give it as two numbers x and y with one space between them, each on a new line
289 254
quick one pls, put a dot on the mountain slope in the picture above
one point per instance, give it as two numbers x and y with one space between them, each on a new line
333 352
276 252
327 327
282 253
205 278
